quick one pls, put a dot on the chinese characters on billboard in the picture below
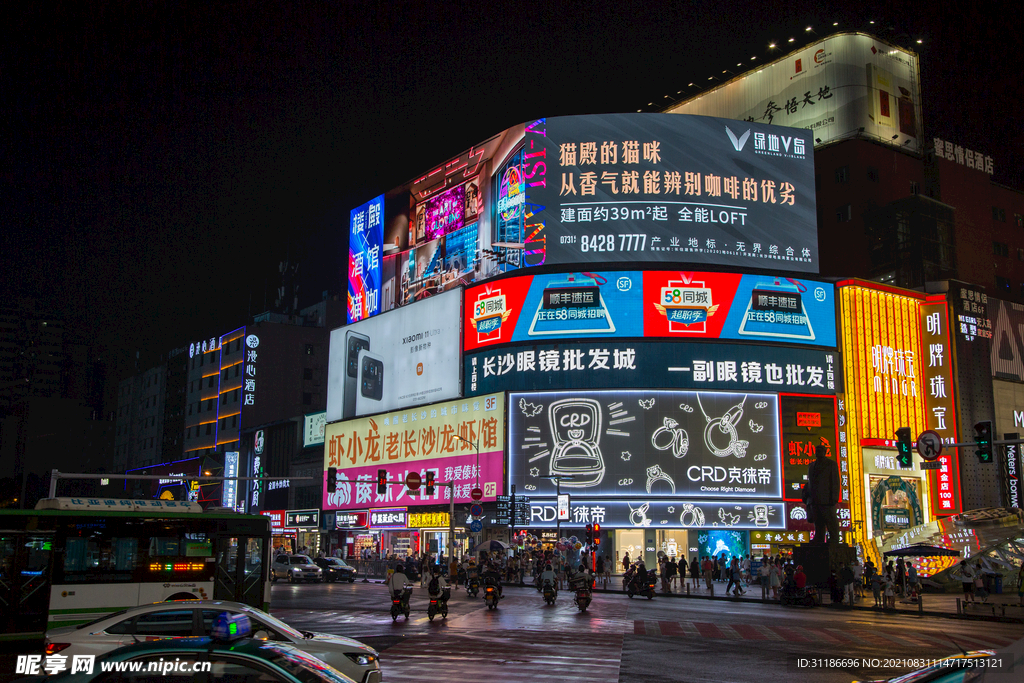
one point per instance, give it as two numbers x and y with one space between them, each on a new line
442 438
365 243
941 409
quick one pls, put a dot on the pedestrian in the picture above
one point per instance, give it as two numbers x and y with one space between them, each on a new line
901 576
848 580
695 572
625 563
967 576
912 581
1020 584
746 568
890 591
876 588
735 578
663 573
775 578
600 568
764 575
671 568
858 580
869 571
607 572
709 569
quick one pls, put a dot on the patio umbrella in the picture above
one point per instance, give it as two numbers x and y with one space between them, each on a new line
490 547
922 550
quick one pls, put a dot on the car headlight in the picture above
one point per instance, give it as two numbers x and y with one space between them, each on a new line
361 658
296 569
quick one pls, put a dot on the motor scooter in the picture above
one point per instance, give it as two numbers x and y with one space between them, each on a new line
583 593
491 595
400 603
472 586
549 592
439 603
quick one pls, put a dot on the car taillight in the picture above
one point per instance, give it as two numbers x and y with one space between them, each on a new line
54 648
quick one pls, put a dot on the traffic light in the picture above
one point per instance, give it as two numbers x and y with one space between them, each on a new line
590 534
382 482
332 479
983 437
430 483
904 454
597 534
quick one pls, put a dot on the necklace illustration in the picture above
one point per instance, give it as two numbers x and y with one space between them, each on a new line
725 425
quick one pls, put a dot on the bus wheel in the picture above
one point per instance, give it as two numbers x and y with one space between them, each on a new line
181 596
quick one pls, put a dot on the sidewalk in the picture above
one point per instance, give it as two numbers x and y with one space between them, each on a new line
999 607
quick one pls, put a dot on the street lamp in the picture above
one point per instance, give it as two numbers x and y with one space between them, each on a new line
451 505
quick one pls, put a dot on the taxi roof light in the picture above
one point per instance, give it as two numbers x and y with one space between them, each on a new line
227 626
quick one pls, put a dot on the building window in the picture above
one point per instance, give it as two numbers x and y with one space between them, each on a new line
209 404
872 174
307 373
1019 220
189 408
235 396
209 428
1002 284
307 398
226 371
309 349
1000 249
209 382
914 188
998 214
1020 254
844 214
238 369
842 174
224 399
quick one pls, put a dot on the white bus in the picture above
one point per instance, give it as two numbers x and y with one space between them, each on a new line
72 560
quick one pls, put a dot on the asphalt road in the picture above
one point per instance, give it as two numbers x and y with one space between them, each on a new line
622 639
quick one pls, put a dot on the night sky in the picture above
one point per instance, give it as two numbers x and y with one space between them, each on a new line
159 158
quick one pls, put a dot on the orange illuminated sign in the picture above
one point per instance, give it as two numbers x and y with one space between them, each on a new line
808 420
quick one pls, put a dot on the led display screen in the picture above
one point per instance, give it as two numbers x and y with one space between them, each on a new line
407 357
663 187
668 365
365 244
669 304
729 517
460 441
650 444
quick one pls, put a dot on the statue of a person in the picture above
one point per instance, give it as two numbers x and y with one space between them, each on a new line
820 495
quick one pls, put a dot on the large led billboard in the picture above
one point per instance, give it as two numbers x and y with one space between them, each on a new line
669 188
364 259
404 358
643 512
614 188
834 88
656 365
647 444
668 304
460 441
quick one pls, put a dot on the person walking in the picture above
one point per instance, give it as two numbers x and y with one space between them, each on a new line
858 580
889 592
695 572
625 563
735 578
876 588
901 577
849 581
967 576
775 579
671 569
764 576
607 572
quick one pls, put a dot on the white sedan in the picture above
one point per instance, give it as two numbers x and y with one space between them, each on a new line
189 618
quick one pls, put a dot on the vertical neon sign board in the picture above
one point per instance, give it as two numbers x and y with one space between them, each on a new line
365 244
937 371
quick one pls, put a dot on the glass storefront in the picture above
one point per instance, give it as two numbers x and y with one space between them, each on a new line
649 542
898 499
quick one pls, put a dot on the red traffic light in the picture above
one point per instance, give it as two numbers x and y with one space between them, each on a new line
430 483
597 534
382 482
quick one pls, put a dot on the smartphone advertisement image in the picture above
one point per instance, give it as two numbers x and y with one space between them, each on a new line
406 357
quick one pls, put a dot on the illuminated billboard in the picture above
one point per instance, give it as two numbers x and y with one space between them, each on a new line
364 259
648 444
833 88
406 357
657 365
461 441
599 189
668 304
728 516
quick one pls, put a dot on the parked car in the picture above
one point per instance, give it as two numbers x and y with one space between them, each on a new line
295 568
232 654
336 569
191 618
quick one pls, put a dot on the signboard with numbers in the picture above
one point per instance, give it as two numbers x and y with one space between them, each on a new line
439 438
940 404
610 364
646 443
665 187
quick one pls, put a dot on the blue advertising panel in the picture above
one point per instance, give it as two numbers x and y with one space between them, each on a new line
365 244
611 364
782 309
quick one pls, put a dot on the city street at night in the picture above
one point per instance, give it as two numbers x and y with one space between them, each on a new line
622 639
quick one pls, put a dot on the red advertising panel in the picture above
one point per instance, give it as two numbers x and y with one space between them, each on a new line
940 413
687 304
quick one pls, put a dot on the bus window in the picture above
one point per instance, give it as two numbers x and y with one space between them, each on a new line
164 546
98 558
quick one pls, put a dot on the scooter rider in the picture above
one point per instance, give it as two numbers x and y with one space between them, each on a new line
492 576
548 575
397 581
437 581
640 576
